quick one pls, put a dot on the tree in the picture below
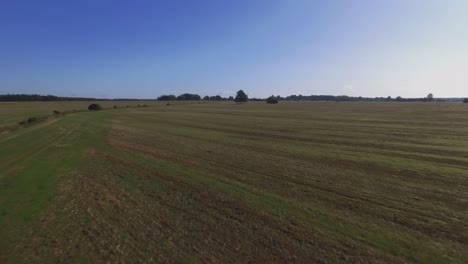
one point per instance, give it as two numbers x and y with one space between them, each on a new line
188 97
170 97
94 107
399 99
241 97
389 99
430 97
271 100
465 100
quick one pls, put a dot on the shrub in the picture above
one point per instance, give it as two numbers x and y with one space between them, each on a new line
168 104
115 107
31 119
94 107
56 112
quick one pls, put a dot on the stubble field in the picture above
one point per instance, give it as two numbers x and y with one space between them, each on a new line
226 183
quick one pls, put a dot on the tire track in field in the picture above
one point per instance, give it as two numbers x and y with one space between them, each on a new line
271 176
411 129
422 217
367 145
39 145
327 227
31 154
141 228
383 204
26 130
353 165
342 163
172 179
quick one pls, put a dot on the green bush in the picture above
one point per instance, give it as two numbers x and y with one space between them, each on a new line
32 119
94 107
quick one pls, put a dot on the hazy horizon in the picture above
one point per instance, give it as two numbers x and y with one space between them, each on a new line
143 49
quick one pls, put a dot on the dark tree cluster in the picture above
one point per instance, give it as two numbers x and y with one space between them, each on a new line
182 97
167 98
193 97
271 100
344 98
465 100
217 98
188 97
36 97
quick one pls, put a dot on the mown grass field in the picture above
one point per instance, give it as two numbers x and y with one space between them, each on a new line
14 112
226 183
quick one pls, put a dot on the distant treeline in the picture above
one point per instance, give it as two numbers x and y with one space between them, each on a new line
344 98
37 97
193 97
196 97
333 98
182 97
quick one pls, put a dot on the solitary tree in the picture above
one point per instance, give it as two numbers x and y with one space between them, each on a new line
241 97
430 97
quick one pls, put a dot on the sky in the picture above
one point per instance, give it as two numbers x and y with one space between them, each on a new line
143 49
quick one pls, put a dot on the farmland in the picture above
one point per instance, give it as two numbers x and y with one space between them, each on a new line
12 112
225 183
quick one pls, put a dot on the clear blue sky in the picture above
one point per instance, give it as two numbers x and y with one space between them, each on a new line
142 49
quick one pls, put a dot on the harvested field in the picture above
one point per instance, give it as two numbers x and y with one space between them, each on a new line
226 183
14 112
